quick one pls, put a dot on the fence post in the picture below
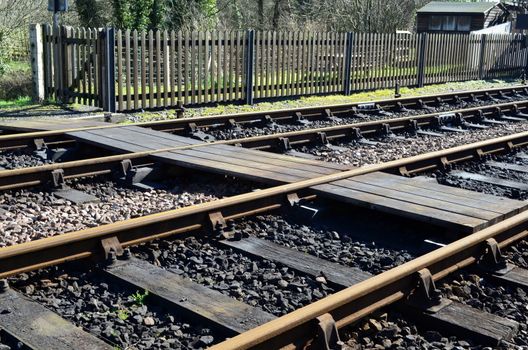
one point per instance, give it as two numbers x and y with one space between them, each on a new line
250 56
57 62
65 63
37 62
348 63
483 39
421 60
526 54
108 67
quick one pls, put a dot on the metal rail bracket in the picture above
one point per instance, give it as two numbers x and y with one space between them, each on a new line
231 123
293 199
480 153
322 139
412 125
458 119
492 261
267 120
517 112
299 209
327 334
57 178
489 97
126 166
498 112
426 296
480 115
196 133
192 128
355 134
404 172
112 248
40 144
330 116
299 119
283 144
421 104
222 228
385 129
445 164
400 107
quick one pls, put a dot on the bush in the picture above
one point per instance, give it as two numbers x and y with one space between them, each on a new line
15 84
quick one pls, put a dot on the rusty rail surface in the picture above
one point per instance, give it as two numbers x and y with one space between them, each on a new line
57 137
82 244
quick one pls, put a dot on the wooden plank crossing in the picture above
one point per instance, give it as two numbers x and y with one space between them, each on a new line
50 124
458 210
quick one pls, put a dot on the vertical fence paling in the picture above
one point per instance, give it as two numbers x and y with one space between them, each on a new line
160 69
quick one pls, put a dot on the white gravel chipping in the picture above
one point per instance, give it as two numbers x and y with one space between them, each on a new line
27 215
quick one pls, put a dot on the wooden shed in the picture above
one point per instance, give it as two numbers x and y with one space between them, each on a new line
459 17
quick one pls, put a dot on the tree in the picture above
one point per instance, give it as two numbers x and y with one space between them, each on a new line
191 14
157 12
91 13
132 14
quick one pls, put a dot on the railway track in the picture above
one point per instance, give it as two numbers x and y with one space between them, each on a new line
432 125
293 119
272 267
46 253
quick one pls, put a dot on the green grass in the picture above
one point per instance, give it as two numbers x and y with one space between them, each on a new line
18 103
18 66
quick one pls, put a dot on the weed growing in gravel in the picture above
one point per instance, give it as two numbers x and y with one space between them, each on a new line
122 314
139 298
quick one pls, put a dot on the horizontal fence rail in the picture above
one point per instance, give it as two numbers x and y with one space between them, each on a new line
123 70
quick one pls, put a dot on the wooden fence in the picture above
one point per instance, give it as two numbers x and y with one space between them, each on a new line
130 70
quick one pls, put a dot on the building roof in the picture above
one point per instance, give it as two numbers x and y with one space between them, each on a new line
457 7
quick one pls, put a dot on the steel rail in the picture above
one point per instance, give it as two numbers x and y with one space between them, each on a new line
31 176
57 137
299 327
82 244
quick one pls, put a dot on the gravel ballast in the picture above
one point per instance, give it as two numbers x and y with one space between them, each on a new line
482 168
124 317
26 215
499 299
387 149
335 245
258 129
393 331
20 159
260 283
